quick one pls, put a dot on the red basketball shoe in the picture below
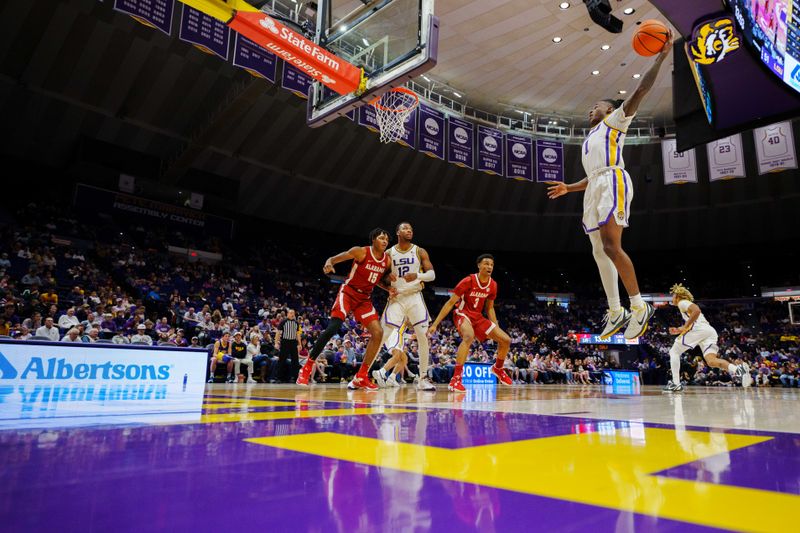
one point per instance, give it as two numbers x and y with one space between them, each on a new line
501 376
305 374
361 382
456 385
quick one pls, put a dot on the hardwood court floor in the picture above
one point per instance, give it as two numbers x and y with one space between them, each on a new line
282 458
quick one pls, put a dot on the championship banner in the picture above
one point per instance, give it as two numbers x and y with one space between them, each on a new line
409 137
254 59
725 158
460 149
295 81
679 167
205 32
549 161
519 162
431 131
775 148
490 150
143 211
154 13
368 118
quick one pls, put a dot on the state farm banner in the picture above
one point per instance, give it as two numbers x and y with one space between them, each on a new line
490 150
431 131
549 161
775 148
725 158
519 161
679 167
154 13
323 66
205 32
368 118
460 135
409 137
254 59
295 81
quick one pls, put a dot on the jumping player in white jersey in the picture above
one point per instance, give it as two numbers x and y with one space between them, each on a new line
696 331
608 196
412 267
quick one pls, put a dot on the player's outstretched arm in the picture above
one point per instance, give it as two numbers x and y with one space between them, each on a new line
446 308
557 188
355 253
631 105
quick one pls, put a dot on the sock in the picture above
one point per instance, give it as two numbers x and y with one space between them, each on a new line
614 305
608 272
731 368
498 363
675 365
457 372
636 300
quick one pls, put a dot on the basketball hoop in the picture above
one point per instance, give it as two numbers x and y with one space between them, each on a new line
393 109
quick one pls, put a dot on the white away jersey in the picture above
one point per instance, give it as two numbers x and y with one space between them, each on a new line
405 262
602 148
683 306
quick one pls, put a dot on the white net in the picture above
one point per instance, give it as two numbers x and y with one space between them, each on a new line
393 109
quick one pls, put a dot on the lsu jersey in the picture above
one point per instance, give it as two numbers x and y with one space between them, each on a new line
405 262
602 147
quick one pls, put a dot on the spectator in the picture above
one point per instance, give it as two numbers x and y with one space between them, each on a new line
68 320
48 330
120 338
92 336
73 335
141 336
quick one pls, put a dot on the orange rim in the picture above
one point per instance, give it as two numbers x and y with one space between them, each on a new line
375 102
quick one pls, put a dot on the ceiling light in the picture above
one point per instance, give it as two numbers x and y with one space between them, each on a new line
426 78
557 39
623 92
595 72
629 11
563 5
343 27
605 47
637 76
457 95
365 41
520 112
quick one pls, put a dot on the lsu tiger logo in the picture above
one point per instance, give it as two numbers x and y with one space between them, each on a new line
713 40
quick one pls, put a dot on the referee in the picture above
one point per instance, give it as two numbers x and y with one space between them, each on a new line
286 342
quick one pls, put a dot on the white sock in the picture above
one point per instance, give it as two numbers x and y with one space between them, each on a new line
421 332
636 300
608 272
731 368
675 365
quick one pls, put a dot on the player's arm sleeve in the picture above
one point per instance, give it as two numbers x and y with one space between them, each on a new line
427 276
618 120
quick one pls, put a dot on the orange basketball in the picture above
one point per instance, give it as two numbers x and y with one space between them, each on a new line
650 37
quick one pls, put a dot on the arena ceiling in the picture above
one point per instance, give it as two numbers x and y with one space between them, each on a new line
80 82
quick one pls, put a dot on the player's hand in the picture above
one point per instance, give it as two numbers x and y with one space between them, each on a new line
667 46
328 268
432 330
556 189
392 292
392 278
411 276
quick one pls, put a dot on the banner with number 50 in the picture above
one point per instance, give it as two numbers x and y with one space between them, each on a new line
679 167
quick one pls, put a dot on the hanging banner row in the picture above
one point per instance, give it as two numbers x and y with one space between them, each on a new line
775 151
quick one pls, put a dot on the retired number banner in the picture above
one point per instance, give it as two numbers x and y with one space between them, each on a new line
725 158
205 32
460 149
775 148
679 167
519 161
490 150
295 81
153 13
250 56
431 131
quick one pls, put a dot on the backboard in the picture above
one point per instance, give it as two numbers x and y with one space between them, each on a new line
392 40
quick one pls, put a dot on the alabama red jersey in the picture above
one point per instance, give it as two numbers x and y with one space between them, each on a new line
474 295
366 274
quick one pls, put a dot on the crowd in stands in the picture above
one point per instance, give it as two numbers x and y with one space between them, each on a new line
68 281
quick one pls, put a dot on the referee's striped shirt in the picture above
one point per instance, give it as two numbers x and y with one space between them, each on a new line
289 329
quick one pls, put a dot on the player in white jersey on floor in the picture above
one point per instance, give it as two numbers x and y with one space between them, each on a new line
607 203
696 331
394 367
412 267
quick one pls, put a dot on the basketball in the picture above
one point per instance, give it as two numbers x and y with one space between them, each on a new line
650 37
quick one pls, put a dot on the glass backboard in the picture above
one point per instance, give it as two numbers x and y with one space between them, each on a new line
392 40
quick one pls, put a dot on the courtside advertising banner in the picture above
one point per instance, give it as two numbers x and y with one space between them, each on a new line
460 135
679 167
86 384
725 158
775 148
154 13
490 150
519 161
254 59
549 161
205 32
431 131
295 81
